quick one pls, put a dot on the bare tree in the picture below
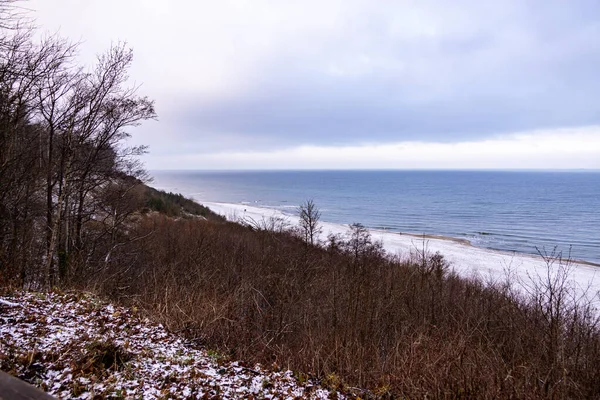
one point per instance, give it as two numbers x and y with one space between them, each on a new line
62 149
89 114
359 239
310 215
24 69
12 17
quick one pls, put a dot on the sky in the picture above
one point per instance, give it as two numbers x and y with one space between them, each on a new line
328 84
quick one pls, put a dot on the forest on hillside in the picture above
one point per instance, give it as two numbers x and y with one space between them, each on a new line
68 181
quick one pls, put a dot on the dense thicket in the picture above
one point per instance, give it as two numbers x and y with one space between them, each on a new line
67 181
347 313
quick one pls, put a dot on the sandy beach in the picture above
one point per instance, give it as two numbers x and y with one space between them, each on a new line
465 259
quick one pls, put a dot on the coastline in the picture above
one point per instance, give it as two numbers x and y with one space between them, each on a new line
466 242
465 258
493 210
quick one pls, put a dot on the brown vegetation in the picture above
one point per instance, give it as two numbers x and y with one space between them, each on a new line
352 316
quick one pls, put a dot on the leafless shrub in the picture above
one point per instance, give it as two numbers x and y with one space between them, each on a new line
269 224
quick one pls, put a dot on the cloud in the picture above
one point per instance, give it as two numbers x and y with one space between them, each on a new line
554 149
233 75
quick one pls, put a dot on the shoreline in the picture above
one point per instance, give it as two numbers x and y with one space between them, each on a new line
465 258
271 211
466 242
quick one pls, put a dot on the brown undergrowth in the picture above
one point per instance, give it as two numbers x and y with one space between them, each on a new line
354 317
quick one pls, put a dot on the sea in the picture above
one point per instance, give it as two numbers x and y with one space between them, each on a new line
529 212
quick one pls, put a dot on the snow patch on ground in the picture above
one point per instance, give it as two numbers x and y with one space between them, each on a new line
75 346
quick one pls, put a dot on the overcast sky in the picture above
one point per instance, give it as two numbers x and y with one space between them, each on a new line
354 84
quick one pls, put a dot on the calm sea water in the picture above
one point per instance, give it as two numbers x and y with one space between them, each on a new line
511 211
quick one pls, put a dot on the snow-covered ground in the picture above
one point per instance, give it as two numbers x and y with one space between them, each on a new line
465 259
77 347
